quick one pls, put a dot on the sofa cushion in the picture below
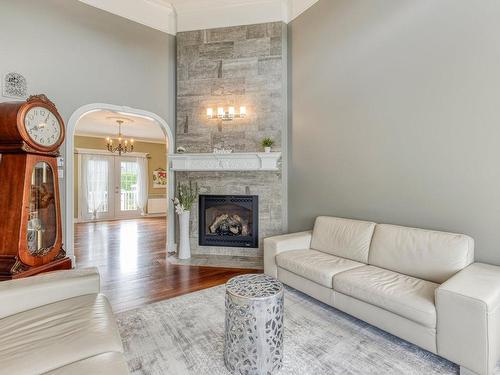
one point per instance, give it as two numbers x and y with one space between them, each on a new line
403 295
425 254
58 334
343 237
315 265
112 363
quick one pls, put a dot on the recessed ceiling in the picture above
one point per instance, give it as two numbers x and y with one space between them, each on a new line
185 5
103 124
171 16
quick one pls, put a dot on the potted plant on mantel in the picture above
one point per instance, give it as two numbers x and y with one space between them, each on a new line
267 143
186 196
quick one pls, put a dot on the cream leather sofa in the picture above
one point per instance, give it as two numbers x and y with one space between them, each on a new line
58 323
417 284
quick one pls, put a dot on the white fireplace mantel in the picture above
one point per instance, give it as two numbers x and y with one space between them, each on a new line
238 161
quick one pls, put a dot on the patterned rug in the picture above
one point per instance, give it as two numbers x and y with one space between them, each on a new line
185 335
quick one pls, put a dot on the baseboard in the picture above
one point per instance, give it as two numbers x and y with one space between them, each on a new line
466 371
83 221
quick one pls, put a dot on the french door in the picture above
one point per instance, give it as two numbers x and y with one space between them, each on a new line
126 174
109 187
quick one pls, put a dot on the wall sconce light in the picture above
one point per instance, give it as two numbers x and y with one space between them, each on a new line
228 115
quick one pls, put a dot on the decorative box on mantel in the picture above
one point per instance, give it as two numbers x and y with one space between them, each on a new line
240 161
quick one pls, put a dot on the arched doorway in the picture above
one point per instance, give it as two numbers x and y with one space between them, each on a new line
70 171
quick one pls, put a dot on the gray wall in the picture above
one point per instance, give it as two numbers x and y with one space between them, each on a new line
396 115
77 55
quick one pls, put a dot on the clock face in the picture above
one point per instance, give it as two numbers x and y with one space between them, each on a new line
42 126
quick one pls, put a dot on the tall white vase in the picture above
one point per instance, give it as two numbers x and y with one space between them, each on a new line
184 247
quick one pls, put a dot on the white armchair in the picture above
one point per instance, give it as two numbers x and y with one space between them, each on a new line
29 293
58 323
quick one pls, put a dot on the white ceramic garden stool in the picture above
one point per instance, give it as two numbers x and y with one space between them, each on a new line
254 325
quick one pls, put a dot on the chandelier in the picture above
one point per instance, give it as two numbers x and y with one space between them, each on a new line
124 145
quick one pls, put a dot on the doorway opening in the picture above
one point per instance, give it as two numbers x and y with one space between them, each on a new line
107 183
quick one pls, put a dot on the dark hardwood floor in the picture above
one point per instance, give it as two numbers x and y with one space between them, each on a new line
131 258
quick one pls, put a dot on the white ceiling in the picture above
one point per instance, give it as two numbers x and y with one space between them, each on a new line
158 14
173 16
103 124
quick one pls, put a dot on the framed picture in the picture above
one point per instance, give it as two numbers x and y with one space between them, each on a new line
159 178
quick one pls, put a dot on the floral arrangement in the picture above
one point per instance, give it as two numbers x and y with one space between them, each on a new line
186 196
267 142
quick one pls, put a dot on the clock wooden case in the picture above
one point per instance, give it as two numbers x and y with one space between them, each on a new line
30 213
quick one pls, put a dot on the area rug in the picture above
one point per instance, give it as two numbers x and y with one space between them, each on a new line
185 335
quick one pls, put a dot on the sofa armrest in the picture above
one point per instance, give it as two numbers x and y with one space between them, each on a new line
275 245
25 294
468 318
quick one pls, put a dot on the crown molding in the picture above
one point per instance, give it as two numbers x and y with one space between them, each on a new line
157 14
93 151
172 16
297 7
227 13
103 137
224 13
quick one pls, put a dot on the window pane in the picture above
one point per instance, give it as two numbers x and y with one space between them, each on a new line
128 185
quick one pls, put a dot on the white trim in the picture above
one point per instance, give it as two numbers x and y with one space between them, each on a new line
84 221
209 14
284 131
215 14
238 161
80 198
70 168
297 7
101 136
93 151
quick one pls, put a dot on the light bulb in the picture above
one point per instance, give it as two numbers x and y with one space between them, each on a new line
220 112
243 111
210 113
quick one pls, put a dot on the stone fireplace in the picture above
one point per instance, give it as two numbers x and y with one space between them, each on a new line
233 67
228 220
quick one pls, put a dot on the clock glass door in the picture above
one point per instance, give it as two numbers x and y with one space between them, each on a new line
42 226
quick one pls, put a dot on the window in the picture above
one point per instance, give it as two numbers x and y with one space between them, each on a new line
128 185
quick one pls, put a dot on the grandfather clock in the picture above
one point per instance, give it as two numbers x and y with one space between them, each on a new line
30 213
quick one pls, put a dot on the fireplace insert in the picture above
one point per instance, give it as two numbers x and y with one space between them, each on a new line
229 220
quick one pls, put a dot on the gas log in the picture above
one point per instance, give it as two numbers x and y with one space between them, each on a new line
229 225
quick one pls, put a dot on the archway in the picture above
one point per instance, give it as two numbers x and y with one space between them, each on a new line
70 170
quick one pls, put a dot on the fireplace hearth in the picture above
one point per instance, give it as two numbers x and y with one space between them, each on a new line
229 220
